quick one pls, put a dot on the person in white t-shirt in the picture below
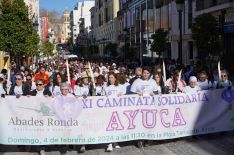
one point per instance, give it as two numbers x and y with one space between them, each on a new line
2 89
145 85
192 87
112 88
203 82
84 88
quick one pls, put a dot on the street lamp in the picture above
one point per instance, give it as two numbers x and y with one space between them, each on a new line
180 7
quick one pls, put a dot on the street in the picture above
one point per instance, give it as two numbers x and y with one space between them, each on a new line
212 144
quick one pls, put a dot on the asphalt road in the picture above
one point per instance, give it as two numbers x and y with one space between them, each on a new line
212 144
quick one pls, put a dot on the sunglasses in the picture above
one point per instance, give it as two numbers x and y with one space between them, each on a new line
223 75
28 79
39 84
18 79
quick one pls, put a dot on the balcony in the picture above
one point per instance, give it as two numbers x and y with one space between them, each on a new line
205 4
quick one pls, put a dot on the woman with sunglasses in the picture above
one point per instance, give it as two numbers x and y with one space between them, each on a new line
224 82
40 89
19 88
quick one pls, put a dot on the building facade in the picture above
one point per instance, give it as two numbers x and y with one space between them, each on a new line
80 15
105 27
66 26
139 19
223 10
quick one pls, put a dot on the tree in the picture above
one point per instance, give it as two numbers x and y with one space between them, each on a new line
48 48
111 49
206 34
160 41
17 33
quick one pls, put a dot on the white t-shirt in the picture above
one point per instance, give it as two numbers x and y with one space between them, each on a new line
191 90
100 90
113 90
40 93
2 91
80 91
145 86
18 90
205 85
125 88
56 91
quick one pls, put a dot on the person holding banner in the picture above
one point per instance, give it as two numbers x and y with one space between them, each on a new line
145 85
40 89
19 88
100 85
203 81
176 84
112 88
84 89
192 88
2 86
224 82
159 81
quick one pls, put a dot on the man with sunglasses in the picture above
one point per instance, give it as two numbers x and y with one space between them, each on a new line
40 89
19 88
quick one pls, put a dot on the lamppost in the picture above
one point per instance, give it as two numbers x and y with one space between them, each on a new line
35 25
180 7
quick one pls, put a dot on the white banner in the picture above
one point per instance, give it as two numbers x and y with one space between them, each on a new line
67 120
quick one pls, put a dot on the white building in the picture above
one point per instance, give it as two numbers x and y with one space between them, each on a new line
105 27
80 11
34 15
66 26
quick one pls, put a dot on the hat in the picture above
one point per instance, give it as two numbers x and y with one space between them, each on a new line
114 64
84 75
193 78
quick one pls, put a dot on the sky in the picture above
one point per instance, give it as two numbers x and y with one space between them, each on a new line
58 5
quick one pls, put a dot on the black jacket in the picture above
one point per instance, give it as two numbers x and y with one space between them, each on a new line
45 92
25 90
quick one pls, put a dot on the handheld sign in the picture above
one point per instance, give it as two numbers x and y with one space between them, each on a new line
178 80
68 72
164 72
219 71
92 76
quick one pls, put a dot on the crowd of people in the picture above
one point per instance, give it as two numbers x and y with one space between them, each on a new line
50 79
